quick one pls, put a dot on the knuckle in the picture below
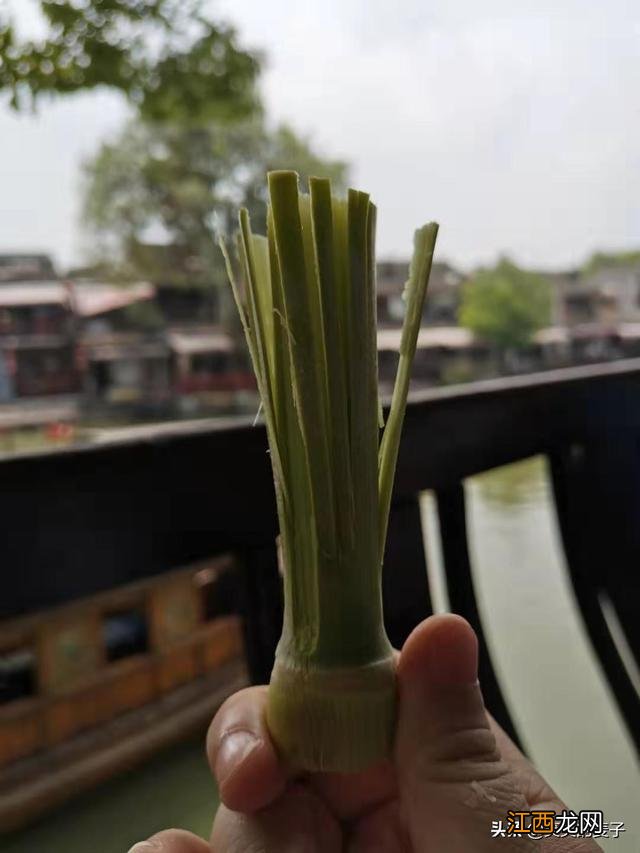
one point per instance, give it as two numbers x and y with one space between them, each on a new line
462 755
476 745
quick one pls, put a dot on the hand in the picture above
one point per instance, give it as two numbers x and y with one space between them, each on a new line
454 771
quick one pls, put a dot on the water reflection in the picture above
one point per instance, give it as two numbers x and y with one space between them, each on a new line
513 486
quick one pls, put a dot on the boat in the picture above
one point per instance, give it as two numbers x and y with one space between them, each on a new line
90 688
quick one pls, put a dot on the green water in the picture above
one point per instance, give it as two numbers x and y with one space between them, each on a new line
557 696
174 789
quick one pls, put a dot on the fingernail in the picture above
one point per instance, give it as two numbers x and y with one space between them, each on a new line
233 750
146 847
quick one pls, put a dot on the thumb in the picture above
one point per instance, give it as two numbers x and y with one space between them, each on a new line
452 779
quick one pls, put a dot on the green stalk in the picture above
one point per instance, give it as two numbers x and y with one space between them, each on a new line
415 291
309 316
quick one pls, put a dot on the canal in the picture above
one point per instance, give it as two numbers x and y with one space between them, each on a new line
558 697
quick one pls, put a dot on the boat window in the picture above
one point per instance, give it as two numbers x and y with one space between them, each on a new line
219 591
17 674
125 634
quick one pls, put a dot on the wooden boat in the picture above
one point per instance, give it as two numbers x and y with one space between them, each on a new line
91 688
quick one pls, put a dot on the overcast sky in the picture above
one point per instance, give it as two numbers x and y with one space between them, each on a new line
514 123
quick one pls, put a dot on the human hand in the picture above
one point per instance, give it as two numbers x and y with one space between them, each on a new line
453 772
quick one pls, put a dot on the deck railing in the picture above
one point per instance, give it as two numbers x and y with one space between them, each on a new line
87 519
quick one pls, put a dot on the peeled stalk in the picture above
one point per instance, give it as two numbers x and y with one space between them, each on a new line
307 300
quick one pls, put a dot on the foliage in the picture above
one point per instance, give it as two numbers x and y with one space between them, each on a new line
602 260
145 316
506 305
166 56
155 196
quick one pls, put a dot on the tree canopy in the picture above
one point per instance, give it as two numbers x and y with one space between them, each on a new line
506 305
198 148
156 195
166 56
605 260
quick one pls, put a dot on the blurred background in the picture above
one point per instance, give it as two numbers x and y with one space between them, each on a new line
130 133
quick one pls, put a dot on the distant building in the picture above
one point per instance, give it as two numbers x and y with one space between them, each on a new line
65 338
26 267
616 291
122 343
37 340
607 294
441 306
600 309
207 367
162 347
